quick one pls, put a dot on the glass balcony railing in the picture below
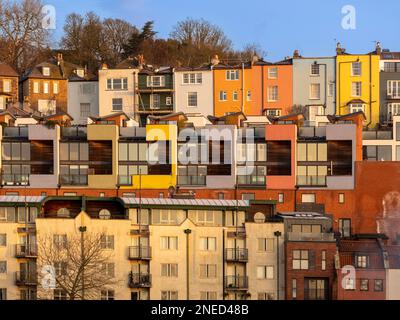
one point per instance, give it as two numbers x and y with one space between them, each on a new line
15 179
124 180
74 180
251 180
192 180
312 181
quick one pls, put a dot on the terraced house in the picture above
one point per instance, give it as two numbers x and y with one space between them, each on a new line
8 86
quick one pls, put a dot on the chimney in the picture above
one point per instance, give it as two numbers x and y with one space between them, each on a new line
339 49
59 58
255 59
378 48
215 60
296 54
104 66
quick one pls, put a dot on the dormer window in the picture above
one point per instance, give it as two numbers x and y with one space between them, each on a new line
80 72
46 71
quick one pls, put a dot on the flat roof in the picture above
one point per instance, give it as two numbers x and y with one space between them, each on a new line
186 202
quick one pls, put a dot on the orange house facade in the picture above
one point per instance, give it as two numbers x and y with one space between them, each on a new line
273 87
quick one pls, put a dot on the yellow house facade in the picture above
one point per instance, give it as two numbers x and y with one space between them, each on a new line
358 85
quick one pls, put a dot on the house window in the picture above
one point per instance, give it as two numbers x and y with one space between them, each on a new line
169 243
315 69
273 112
323 259
46 71
235 96
356 107
169 295
192 99
314 111
87 88
192 78
208 244
107 295
6 85
341 197
108 269
349 284
156 81
248 196
168 101
155 101
208 271
84 110
222 96
35 87
232 75
117 104
3 266
265 272
308 198
3 239
45 87
300 260
3 294
391 67
47 106
361 261
107 242
356 69
331 89
273 73
60 241
55 87
378 285
294 288
281 197
117 84
393 109
169 270
265 244
364 284
273 93
345 227
208 295
315 91
356 89
248 95
59 294
60 268
221 196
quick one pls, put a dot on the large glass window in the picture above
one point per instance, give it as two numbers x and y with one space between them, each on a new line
74 151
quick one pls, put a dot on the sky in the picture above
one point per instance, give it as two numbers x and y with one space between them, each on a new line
278 26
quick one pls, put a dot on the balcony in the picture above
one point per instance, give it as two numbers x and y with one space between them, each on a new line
15 180
236 255
236 282
140 253
251 180
139 280
310 133
192 180
311 181
74 133
73 180
297 236
25 251
124 180
377 135
155 107
24 278
240 232
15 132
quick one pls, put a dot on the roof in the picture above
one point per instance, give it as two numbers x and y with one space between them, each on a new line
350 116
348 250
150 70
36 71
58 114
186 202
128 63
204 67
22 199
7 71
303 215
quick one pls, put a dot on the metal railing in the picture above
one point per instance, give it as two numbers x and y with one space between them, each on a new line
26 278
251 180
15 179
315 294
26 251
139 280
236 282
74 180
311 181
192 180
377 135
140 253
236 254
300 236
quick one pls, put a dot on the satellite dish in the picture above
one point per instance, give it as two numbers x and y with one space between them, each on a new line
259 217
104 214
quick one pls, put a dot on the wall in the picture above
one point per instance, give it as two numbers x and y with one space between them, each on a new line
76 97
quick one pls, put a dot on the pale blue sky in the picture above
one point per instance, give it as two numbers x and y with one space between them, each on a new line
279 26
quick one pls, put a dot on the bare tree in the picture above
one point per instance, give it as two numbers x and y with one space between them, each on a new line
251 50
80 265
297 109
22 35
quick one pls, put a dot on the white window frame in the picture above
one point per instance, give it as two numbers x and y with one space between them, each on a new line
223 96
192 78
190 96
151 81
122 104
273 112
232 75
273 73
356 89
314 67
56 88
7 84
36 87
168 101
393 89
46 71
315 95
356 107
235 96
84 113
273 93
356 66
393 109
46 87
153 104
110 84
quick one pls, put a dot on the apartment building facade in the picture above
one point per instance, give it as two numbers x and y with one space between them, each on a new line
8 85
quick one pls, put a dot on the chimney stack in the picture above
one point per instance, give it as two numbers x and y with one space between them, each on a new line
378 48
296 54
104 66
215 60
339 49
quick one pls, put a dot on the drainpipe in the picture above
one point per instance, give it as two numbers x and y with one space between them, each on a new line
243 94
134 95
370 90
187 232
277 234
223 263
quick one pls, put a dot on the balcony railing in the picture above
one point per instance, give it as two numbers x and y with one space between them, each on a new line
76 132
251 180
300 236
155 107
316 294
235 254
377 135
26 278
15 179
312 132
311 181
26 251
124 180
236 282
139 280
15 132
140 253
192 180
74 180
